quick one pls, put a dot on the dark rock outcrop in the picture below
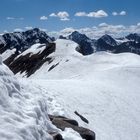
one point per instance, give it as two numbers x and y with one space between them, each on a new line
133 37
81 117
107 43
56 136
85 43
23 40
109 40
53 66
62 123
129 46
30 63
62 37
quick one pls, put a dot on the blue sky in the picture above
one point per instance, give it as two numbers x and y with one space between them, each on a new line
25 13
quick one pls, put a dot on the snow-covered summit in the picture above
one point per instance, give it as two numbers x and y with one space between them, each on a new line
23 40
65 48
133 37
77 35
86 44
109 40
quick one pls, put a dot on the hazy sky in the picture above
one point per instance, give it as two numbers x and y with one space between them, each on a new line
58 14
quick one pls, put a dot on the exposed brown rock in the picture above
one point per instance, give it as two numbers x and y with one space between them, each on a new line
82 118
56 136
62 123
30 63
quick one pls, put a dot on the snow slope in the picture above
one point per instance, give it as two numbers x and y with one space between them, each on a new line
65 51
34 49
24 108
103 87
23 111
7 54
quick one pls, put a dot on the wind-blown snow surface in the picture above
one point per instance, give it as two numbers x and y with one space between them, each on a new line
103 87
23 110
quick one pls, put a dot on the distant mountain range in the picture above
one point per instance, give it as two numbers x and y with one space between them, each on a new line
28 51
130 43
23 40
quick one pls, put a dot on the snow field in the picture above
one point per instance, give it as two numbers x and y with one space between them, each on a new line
103 87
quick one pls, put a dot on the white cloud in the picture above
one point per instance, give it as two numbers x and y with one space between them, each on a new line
53 15
122 13
13 18
5 31
138 24
81 14
18 30
97 14
42 29
43 18
114 13
113 30
10 18
28 27
63 15
67 30
101 29
103 25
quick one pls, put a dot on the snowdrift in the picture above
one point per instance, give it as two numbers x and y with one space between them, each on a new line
23 111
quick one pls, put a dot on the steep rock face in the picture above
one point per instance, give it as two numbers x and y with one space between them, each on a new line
86 44
107 43
26 58
29 61
109 40
23 40
134 37
129 46
63 122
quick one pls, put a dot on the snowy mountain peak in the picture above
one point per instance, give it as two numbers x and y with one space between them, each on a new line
134 37
85 43
23 40
77 35
109 40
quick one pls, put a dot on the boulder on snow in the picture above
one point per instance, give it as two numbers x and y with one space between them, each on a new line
56 136
71 121
63 122
81 117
